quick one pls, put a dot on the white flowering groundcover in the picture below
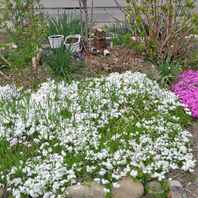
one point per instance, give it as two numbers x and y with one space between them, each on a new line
97 129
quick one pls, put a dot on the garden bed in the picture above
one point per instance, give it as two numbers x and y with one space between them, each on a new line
69 124
120 60
99 129
25 77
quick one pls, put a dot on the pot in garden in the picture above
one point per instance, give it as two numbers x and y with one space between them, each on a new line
56 41
73 42
108 42
99 40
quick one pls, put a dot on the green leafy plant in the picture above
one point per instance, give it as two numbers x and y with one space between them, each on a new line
122 34
23 25
123 37
168 71
162 26
165 191
65 24
162 190
60 60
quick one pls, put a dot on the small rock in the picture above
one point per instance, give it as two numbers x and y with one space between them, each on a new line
2 192
176 190
175 183
154 187
128 189
86 190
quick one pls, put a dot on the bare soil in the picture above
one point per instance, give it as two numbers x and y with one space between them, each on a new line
25 77
119 60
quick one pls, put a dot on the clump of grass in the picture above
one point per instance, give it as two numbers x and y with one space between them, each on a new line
65 24
60 61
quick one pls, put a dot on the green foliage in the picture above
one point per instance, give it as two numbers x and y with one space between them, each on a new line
147 126
123 40
195 30
65 24
122 35
60 61
137 46
4 53
162 26
8 157
23 25
164 193
119 29
18 59
168 71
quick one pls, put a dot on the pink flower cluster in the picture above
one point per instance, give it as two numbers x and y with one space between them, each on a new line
187 90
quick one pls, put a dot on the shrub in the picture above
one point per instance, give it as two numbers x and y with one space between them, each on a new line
65 24
23 25
97 129
161 26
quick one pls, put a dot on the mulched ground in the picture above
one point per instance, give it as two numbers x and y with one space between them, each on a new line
119 60
25 77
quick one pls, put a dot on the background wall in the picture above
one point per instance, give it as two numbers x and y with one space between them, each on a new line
105 11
